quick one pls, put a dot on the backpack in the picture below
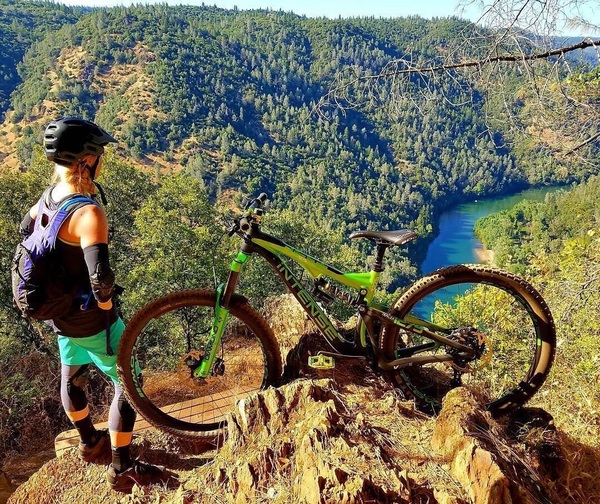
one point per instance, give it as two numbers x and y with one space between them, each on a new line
38 278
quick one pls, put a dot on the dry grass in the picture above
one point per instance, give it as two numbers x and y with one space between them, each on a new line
579 479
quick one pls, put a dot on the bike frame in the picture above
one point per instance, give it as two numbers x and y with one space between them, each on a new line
273 250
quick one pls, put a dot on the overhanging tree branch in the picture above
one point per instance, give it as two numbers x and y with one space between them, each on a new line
497 59
536 94
583 144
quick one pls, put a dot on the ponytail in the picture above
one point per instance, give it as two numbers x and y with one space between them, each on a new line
77 174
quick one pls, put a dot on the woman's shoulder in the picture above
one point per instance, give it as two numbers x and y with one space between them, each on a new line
87 224
89 214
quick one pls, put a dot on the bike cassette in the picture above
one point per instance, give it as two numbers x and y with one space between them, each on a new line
321 361
483 346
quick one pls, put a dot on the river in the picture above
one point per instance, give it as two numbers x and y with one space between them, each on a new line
456 243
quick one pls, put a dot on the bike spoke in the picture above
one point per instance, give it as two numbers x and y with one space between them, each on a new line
168 350
167 342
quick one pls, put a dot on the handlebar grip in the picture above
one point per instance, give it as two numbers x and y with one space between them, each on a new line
262 197
257 202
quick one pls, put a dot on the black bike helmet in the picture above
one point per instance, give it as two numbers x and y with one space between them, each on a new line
69 139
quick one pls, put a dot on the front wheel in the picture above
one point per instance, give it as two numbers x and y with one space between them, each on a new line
165 341
499 314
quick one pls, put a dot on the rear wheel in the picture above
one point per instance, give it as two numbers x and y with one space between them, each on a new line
164 342
498 314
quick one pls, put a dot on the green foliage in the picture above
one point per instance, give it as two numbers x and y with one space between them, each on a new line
557 244
572 288
240 87
174 234
586 86
529 228
126 190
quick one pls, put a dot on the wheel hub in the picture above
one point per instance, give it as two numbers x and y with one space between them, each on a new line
187 365
478 342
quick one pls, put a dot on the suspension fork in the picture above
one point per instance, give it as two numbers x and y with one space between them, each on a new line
223 298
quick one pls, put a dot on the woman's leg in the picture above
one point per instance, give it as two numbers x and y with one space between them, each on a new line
72 393
121 421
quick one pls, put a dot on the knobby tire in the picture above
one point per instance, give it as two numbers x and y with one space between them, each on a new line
166 338
515 320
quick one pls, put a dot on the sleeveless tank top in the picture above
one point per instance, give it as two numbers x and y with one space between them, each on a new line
84 318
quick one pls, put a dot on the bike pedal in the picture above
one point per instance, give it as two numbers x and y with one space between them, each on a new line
321 362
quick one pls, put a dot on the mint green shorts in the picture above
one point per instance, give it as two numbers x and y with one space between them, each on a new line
92 350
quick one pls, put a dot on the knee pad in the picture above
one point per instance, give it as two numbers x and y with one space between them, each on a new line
76 388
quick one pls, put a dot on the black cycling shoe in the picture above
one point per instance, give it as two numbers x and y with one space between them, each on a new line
138 473
97 448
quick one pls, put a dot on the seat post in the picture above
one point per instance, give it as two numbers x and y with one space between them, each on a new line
381 248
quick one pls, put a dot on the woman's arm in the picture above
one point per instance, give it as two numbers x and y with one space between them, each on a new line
26 226
89 224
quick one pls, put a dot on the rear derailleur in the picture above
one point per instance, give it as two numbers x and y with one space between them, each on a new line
461 364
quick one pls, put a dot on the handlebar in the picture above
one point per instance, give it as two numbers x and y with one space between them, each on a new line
253 210
258 202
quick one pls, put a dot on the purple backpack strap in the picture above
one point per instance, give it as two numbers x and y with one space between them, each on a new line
56 217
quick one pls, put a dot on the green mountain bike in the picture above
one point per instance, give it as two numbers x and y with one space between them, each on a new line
186 358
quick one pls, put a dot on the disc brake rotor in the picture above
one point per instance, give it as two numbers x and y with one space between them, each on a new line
483 360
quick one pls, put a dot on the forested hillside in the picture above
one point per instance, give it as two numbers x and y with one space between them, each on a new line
21 25
229 97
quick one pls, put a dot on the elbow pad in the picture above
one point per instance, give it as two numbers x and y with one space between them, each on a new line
26 226
102 278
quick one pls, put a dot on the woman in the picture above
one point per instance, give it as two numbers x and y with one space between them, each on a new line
91 329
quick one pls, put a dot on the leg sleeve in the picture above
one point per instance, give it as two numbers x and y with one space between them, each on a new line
121 419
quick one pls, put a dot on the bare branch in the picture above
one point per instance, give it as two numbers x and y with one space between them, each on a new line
480 63
531 87
583 144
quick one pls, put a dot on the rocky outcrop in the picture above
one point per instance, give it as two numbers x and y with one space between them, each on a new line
304 434
457 436
337 436
327 441
313 442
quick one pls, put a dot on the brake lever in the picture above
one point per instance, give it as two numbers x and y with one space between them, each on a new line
232 227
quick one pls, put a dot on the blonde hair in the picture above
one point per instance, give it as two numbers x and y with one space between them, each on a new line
78 175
